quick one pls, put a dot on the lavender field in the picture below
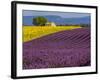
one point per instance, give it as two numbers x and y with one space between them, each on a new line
69 48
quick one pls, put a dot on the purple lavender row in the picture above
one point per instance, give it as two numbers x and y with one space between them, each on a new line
61 49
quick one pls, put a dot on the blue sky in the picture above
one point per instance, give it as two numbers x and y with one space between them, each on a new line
61 14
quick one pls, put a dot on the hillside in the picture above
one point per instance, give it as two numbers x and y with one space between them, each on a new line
27 20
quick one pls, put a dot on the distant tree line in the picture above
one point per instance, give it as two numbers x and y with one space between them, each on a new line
85 25
82 25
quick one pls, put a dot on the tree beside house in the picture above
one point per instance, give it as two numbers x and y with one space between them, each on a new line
42 21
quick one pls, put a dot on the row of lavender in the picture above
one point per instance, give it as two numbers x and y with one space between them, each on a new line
62 49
